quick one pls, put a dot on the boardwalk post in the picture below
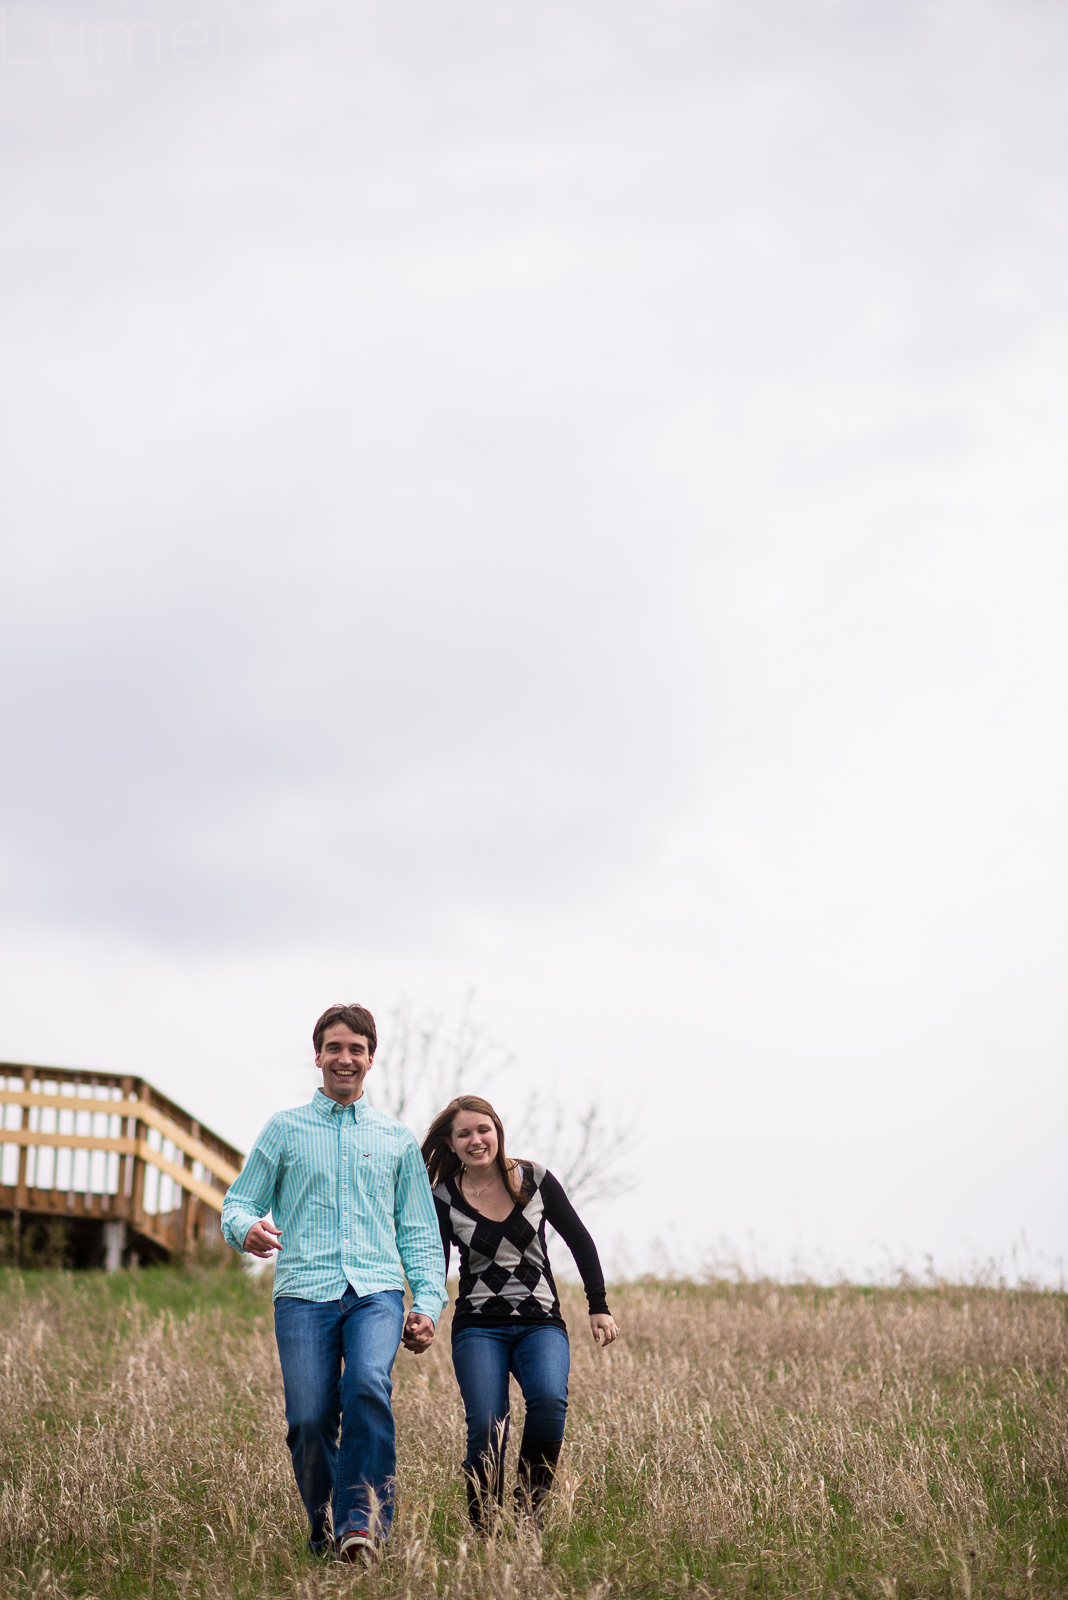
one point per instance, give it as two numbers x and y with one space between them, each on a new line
114 1243
22 1193
189 1201
126 1162
137 1205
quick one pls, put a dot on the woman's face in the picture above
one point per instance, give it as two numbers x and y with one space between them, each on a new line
474 1140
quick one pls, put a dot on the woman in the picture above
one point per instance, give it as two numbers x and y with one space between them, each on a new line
507 1313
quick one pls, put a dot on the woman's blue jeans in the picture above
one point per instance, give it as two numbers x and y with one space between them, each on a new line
540 1357
337 1357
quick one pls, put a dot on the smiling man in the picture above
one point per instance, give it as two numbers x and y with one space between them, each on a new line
353 1217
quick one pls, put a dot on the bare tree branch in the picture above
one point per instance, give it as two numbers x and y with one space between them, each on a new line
425 1062
589 1157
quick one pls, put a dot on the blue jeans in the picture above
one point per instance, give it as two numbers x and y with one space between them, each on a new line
539 1356
337 1356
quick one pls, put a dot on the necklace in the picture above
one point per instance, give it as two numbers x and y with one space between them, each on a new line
471 1188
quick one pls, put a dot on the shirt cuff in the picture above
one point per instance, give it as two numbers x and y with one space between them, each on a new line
236 1227
431 1308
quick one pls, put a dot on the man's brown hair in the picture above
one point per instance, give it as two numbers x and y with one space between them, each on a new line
354 1016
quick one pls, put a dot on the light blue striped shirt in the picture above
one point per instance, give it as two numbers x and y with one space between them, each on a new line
348 1190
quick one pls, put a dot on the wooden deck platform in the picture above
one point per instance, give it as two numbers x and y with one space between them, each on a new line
127 1173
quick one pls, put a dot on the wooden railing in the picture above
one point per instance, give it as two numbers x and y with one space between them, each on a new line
109 1147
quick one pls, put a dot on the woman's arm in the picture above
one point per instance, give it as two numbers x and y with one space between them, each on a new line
561 1214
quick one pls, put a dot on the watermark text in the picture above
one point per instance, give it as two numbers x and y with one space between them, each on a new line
34 41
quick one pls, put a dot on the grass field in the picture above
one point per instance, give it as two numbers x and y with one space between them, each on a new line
739 1440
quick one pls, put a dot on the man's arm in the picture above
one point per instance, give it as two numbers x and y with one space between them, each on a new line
252 1194
419 1247
262 1240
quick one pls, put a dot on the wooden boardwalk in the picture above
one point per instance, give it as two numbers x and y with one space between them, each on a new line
127 1172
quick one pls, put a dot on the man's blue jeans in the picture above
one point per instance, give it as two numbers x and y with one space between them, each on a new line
337 1357
539 1356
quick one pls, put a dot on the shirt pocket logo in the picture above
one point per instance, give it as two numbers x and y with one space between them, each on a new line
375 1171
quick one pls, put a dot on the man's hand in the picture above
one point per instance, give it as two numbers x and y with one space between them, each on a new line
603 1328
262 1240
418 1332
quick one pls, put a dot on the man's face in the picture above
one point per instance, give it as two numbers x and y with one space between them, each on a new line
345 1061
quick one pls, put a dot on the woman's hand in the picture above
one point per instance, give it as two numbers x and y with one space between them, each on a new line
603 1327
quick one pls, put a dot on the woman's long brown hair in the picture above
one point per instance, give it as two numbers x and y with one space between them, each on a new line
442 1161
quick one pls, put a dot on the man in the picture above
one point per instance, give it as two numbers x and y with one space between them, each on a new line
347 1188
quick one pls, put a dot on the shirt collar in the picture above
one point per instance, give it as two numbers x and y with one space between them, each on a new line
329 1108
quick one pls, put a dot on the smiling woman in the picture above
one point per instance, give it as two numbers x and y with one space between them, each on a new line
507 1316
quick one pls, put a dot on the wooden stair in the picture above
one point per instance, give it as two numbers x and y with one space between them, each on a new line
129 1173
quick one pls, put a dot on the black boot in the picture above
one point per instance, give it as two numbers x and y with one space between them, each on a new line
485 1493
537 1468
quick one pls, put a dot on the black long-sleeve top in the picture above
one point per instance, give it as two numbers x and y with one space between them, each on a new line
505 1275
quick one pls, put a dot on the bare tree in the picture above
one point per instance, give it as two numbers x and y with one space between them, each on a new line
587 1154
428 1058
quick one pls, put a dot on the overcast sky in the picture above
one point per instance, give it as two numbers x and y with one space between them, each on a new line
565 500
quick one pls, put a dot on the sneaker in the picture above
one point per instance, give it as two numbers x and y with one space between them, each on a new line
357 1547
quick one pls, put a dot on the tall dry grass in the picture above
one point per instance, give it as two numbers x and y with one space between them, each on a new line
737 1440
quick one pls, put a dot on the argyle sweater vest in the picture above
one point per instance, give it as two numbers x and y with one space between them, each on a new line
505 1277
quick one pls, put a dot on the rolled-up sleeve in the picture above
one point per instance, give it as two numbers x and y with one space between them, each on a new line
418 1235
252 1193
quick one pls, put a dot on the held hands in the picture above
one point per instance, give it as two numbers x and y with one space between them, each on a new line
418 1332
603 1327
262 1240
